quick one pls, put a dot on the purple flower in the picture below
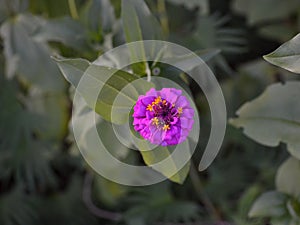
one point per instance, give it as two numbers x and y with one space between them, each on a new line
163 117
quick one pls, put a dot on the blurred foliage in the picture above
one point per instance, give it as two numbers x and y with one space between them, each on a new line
44 179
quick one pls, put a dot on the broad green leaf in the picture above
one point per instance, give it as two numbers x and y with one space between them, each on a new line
170 168
139 24
270 204
73 69
259 10
132 29
55 30
113 83
149 27
85 119
287 55
273 117
33 67
95 20
288 177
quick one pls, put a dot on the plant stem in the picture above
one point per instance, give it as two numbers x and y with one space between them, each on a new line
148 71
73 9
202 196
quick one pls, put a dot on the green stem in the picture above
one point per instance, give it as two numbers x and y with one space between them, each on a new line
148 71
73 9
202 196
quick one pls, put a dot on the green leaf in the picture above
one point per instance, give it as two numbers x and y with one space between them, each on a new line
98 76
270 204
142 21
170 167
98 15
72 69
273 117
33 67
85 119
55 30
139 24
92 78
288 177
287 55
132 29
133 32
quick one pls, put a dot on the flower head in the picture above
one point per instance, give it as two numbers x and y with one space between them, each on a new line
163 117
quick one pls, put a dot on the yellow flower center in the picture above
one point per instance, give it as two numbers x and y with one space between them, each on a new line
155 121
179 110
157 100
149 108
166 127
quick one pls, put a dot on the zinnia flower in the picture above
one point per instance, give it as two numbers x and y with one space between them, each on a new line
163 117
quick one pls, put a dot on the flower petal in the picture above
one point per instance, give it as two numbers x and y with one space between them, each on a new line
174 117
